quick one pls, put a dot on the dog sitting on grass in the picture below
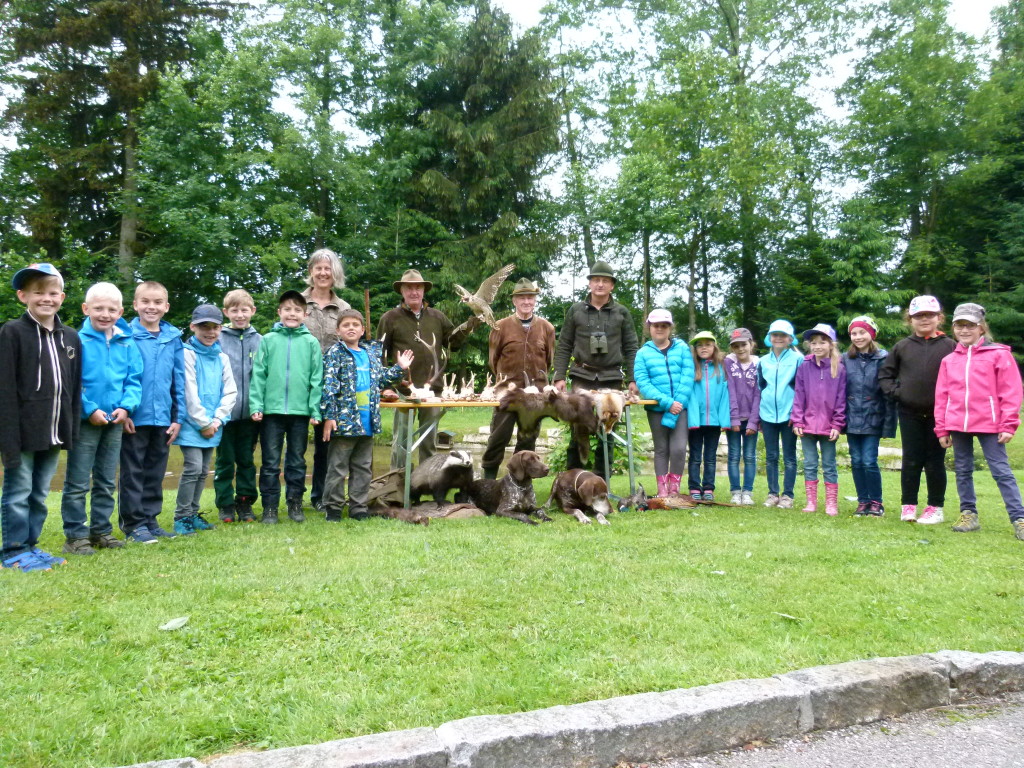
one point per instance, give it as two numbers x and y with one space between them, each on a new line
513 495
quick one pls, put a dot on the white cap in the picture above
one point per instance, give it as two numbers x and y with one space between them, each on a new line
659 316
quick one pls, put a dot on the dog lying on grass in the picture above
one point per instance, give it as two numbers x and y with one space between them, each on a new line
578 493
513 495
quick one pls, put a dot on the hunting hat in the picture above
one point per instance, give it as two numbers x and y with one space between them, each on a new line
972 313
602 269
22 276
207 313
525 287
412 277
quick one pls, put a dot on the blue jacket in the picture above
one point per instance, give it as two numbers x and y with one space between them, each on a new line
776 379
868 411
338 401
665 376
209 393
111 370
163 375
709 399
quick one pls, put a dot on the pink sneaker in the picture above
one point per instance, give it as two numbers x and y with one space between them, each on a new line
931 516
909 513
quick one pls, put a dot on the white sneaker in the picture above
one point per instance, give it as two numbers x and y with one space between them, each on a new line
747 499
909 513
786 502
772 500
931 516
737 498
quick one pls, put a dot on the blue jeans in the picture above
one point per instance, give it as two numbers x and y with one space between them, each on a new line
998 465
703 445
276 429
195 467
810 445
864 465
773 434
740 443
95 454
23 503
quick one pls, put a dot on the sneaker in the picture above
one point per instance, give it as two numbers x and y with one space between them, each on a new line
78 547
708 495
200 524
696 495
140 535
26 561
332 517
245 514
736 498
47 558
105 541
295 510
862 509
772 500
931 516
184 526
1018 529
968 522
226 514
747 499
909 513
875 509
785 502
269 516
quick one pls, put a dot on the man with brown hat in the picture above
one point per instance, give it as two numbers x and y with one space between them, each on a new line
397 331
521 349
599 339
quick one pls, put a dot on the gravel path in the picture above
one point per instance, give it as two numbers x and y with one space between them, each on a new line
988 733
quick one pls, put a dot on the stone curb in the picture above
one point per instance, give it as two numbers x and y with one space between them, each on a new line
648 727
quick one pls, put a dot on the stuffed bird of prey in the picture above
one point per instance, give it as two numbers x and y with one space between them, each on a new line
480 302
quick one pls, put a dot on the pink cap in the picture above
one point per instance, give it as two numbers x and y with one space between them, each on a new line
920 304
659 316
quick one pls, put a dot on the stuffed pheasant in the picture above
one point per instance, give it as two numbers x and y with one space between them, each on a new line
480 302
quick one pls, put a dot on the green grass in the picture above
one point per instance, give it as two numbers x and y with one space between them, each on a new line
302 634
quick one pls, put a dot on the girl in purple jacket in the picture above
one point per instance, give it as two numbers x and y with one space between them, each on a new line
744 401
819 414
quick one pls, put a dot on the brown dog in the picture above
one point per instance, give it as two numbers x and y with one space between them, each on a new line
577 491
513 495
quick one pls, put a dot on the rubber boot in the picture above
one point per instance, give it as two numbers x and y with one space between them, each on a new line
672 484
811 488
490 473
662 486
831 499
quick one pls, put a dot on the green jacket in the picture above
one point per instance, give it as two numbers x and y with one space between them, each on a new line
581 322
287 374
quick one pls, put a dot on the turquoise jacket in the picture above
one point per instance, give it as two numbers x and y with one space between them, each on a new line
209 393
111 370
665 376
776 382
709 399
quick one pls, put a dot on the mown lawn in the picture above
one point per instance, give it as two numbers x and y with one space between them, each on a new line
304 633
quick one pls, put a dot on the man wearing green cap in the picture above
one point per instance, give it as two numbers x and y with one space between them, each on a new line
599 339
521 349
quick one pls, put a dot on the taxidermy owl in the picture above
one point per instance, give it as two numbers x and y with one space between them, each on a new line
480 302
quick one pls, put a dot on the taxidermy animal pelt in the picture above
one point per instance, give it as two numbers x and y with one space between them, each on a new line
439 474
573 408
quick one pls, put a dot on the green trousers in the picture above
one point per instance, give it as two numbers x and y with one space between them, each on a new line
234 477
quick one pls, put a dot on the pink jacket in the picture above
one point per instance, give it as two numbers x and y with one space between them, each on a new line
978 390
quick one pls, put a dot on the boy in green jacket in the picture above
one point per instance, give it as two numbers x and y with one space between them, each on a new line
285 397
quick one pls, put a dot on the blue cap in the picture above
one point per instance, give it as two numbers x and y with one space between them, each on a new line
780 326
207 313
34 270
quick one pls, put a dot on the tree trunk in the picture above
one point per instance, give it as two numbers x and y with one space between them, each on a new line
748 259
646 235
128 239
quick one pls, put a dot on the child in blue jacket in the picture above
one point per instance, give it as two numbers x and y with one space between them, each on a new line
708 413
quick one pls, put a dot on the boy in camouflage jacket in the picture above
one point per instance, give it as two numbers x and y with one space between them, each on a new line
350 407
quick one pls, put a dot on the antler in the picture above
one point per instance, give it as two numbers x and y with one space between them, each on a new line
431 347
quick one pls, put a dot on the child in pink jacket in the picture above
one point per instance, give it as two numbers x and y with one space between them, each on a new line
978 395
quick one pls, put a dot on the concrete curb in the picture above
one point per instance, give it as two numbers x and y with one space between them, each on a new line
649 727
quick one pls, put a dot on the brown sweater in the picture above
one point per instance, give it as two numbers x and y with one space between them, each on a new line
519 355
397 331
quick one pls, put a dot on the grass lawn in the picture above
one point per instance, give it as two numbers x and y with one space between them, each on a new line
304 633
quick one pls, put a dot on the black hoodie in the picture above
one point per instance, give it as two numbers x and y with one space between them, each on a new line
909 373
40 387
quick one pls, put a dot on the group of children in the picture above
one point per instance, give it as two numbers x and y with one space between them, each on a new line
942 393
119 393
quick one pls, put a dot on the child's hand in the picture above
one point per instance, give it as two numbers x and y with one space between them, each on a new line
118 416
1004 438
947 441
798 431
735 429
314 421
98 418
257 417
405 358
751 432
129 426
833 435
329 426
676 408
172 433
211 429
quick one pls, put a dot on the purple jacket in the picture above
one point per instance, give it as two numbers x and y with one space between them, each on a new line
819 402
743 391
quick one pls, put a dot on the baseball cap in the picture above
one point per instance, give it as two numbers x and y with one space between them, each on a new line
41 269
780 326
704 336
823 328
659 316
972 313
207 313
293 295
920 304
740 334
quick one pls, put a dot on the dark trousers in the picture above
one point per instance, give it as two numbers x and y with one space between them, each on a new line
998 465
921 451
319 479
703 451
502 424
143 466
234 475
276 430
605 443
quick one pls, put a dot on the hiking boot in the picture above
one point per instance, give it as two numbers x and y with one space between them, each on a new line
26 561
245 514
160 533
184 526
875 509
811 491
226 514
200 524
747 499
1018 529
47 558
140 535
105 541
295 510
332 517
931 516
269 516
861 510
78 547
908 514
785 502
772 500
968 522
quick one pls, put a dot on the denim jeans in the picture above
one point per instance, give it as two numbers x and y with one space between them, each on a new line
703 449
349 458
998 465
23 503
95 454
921 451
773 434
864 465
811 444
276 429
742 444
193 477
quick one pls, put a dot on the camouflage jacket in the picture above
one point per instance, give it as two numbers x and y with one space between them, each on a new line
338 401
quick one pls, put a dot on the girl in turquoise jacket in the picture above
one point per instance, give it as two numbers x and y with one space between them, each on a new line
708 413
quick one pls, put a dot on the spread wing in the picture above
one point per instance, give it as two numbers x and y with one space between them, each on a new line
489 288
